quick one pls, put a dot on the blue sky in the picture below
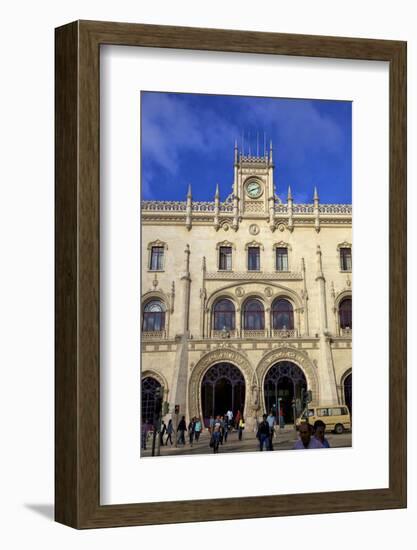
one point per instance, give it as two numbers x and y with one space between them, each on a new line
189 139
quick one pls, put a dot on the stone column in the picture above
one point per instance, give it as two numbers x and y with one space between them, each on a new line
185 277
316 210
189 208
327 377
305 298
268 322
235 224
290 210
180 375
271 195
216 208
203 299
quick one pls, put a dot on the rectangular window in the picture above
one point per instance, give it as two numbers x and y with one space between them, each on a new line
254 259
225 258
157 258
282 259
346 259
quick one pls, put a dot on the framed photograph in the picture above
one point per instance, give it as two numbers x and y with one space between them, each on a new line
230 274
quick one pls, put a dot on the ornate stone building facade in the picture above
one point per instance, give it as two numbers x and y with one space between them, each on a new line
246 303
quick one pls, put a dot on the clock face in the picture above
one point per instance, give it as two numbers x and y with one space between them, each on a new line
254 189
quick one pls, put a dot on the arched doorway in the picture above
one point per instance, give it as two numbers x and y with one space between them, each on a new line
347 390
148 389
222 388
284 383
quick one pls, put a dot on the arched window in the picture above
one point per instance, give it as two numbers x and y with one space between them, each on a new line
253 315
153 316
224 315
149 388
282 315
345 313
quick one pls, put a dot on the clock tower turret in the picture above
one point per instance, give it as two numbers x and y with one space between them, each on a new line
253 186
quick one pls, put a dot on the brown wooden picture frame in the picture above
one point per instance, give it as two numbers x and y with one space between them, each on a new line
77 358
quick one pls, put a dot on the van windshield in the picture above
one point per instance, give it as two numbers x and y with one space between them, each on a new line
308 413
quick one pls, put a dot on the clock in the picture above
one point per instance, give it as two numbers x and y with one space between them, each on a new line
254 189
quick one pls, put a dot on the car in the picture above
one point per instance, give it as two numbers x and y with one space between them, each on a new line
336 417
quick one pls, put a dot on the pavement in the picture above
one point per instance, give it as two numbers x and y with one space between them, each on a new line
283 440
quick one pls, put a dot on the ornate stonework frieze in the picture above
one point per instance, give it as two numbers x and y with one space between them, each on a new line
253 276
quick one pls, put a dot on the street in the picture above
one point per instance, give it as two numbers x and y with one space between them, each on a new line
284 440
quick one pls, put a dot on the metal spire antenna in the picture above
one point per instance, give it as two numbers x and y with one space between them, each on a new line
257 144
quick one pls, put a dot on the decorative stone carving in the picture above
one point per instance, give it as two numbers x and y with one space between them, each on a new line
344 244
239 291
158 243
254 207
281 244
288 353
159 377
254 229
225 243
210 358
255 397
268 291
254 244
254 276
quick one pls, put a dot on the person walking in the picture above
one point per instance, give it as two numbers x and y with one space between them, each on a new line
263 434
146 426
191 428
215 438
211 424
237 419
225 428
306 441
221 430
197 429
272 422
170 430
181 429
162 433
319 429
241 427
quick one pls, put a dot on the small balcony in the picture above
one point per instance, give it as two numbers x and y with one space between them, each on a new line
346 331
253 333
284 333
225 333
154 335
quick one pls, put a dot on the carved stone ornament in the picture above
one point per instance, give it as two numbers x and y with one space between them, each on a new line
281 244
254 229
254 244
287 353
345 244
281 227
239 292
268 291
157 243
223 354
225 243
